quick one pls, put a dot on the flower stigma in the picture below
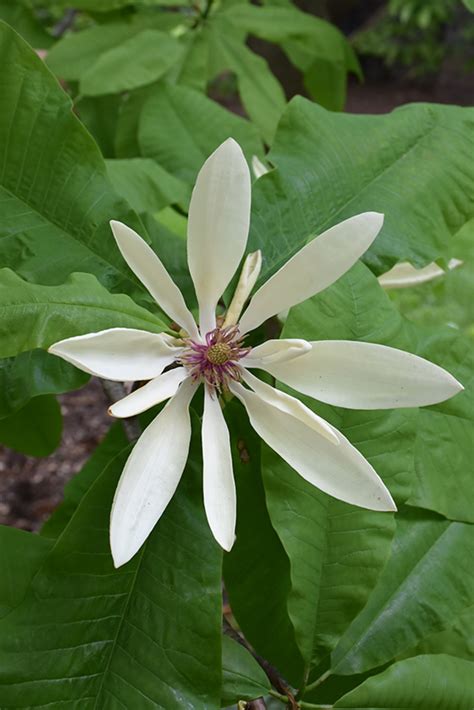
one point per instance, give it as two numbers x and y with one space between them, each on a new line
215 361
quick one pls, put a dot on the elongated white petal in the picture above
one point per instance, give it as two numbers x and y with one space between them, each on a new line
120 354
316 266
273 351
341 470
247 280
404 275
219 216
218 476
290 405
151 476
148 268
366 376
157 390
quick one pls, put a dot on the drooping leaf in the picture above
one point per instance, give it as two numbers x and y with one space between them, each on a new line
56 199
146 635
242 677
411 164
256 571
425 585
180 128
145 185
35 373
438 682
35 316
35 429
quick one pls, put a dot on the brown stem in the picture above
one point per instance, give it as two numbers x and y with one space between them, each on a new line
65 23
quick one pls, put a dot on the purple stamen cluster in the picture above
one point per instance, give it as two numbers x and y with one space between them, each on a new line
215 361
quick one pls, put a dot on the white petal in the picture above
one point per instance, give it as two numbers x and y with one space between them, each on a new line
404 275
290 405
219 217
148 268
151 476
366 376
120 354
275 351
218 477
161 388
258 167
316 266
341 470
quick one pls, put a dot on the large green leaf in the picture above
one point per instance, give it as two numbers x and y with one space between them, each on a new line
426 584
242 677
438 682
139 60
413 165
35 429
35 373
36 316
145 185
180 128
145 636
256 571
56 199
336 554
23 20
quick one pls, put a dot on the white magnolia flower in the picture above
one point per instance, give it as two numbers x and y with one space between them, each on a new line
404 274
215 354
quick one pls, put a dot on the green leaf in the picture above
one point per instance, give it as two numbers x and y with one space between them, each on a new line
113 445
413 165
145 636
336 554
262 95
425 683
21 553
139 60
242 677
180 128
256 571
425 585
35 373
100 116
35 429
469 4
145 185
36 316
56 199
23 20
457 640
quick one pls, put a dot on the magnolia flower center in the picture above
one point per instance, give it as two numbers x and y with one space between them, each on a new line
215 361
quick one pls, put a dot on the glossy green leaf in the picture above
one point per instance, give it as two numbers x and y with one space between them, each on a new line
242 677
426 584
413 165
113 445
35 316
145 185
146 635
35 373
180 128
438 682
457 640
35 429
56 199
256 571
336 554
137 61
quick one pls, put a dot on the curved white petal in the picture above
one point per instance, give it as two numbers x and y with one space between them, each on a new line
146 265
315 267
258 167
341 470
156 391
290 405
120 354
272 351
219 217
218 477
151 476
366 376
404 275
